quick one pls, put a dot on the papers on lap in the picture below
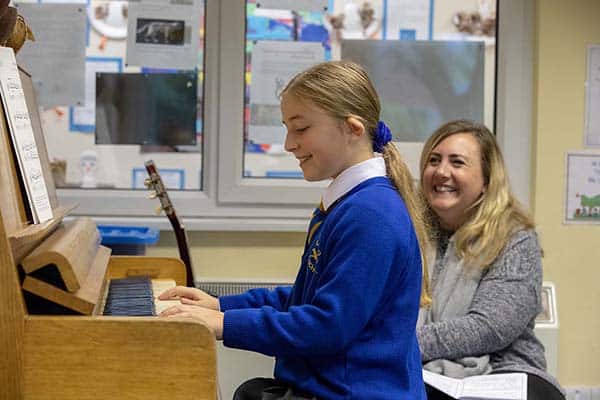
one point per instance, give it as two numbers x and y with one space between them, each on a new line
511 386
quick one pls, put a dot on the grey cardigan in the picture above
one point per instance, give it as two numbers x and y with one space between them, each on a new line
500 319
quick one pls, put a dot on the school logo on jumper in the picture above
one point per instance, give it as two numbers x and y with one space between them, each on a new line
313 257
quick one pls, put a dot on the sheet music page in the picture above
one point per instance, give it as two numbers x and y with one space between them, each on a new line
15 106
500 386
511 386
450 386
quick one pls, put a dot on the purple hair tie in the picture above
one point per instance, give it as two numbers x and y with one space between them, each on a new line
383 136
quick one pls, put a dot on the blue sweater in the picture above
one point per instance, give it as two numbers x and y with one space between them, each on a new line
346 329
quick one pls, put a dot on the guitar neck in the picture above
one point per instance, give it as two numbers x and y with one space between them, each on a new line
182 244
155 182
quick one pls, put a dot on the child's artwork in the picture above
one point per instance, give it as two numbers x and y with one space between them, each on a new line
583 188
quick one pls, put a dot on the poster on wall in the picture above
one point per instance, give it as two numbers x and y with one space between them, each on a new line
422 84
592 101
582 203
274 63
354 19
296 5
408 19
62 49
164 34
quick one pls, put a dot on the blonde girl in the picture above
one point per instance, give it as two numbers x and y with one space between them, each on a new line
346 328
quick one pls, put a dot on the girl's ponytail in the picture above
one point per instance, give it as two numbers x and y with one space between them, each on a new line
400 175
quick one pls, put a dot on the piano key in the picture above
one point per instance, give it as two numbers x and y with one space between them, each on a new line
137 297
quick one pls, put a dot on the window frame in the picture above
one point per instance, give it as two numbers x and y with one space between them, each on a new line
228 201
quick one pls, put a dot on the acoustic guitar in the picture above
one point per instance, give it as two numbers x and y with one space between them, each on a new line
155 183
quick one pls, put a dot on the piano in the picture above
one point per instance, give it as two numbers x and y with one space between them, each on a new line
55 341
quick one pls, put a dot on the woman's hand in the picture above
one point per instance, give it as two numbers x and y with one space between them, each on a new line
193 296
213 319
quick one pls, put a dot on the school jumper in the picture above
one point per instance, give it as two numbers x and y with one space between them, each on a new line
346 329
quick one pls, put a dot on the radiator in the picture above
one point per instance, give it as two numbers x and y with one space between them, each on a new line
236 366
229 287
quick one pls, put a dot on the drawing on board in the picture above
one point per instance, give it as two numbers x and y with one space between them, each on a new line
583 188
160 31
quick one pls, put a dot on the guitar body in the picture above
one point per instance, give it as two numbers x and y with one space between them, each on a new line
155 182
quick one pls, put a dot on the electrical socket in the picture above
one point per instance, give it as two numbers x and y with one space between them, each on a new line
579 393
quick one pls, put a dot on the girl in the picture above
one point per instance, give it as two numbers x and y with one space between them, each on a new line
346 329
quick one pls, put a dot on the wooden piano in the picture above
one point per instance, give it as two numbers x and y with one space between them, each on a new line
55 343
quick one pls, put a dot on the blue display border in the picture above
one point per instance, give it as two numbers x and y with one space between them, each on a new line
88 128
162 171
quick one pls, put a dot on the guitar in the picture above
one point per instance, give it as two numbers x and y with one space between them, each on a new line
155 183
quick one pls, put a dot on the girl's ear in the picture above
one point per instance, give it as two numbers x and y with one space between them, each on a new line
355 126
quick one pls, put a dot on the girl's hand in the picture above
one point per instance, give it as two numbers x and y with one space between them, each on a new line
213 319
193 296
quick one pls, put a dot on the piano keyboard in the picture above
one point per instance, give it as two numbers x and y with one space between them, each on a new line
136 297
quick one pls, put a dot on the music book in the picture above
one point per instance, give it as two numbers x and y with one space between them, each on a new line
19 124
512 386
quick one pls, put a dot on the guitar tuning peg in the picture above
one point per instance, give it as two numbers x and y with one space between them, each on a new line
158 210
147 182
152 195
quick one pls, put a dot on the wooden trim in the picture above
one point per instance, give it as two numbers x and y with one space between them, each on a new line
118 358
83 300
72 248
29 236
153 267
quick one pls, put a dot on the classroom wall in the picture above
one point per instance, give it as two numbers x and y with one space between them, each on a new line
271 256
572 252
563 29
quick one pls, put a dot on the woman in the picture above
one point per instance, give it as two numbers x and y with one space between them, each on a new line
487 274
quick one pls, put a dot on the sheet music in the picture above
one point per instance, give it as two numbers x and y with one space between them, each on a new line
500 386
15 106
511 386
450 386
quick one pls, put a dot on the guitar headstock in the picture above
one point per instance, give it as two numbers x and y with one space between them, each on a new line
155 183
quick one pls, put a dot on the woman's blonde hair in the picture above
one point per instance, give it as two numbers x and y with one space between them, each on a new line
343 89
497 214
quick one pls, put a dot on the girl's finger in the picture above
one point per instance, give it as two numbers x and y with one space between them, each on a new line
187 300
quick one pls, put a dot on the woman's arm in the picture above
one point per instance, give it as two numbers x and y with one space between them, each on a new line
505 302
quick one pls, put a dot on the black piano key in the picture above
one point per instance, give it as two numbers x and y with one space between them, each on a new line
130 297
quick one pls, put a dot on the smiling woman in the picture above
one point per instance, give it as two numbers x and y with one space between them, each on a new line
453 179
487 273
470 194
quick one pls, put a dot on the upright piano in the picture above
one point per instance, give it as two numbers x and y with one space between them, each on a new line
55 342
